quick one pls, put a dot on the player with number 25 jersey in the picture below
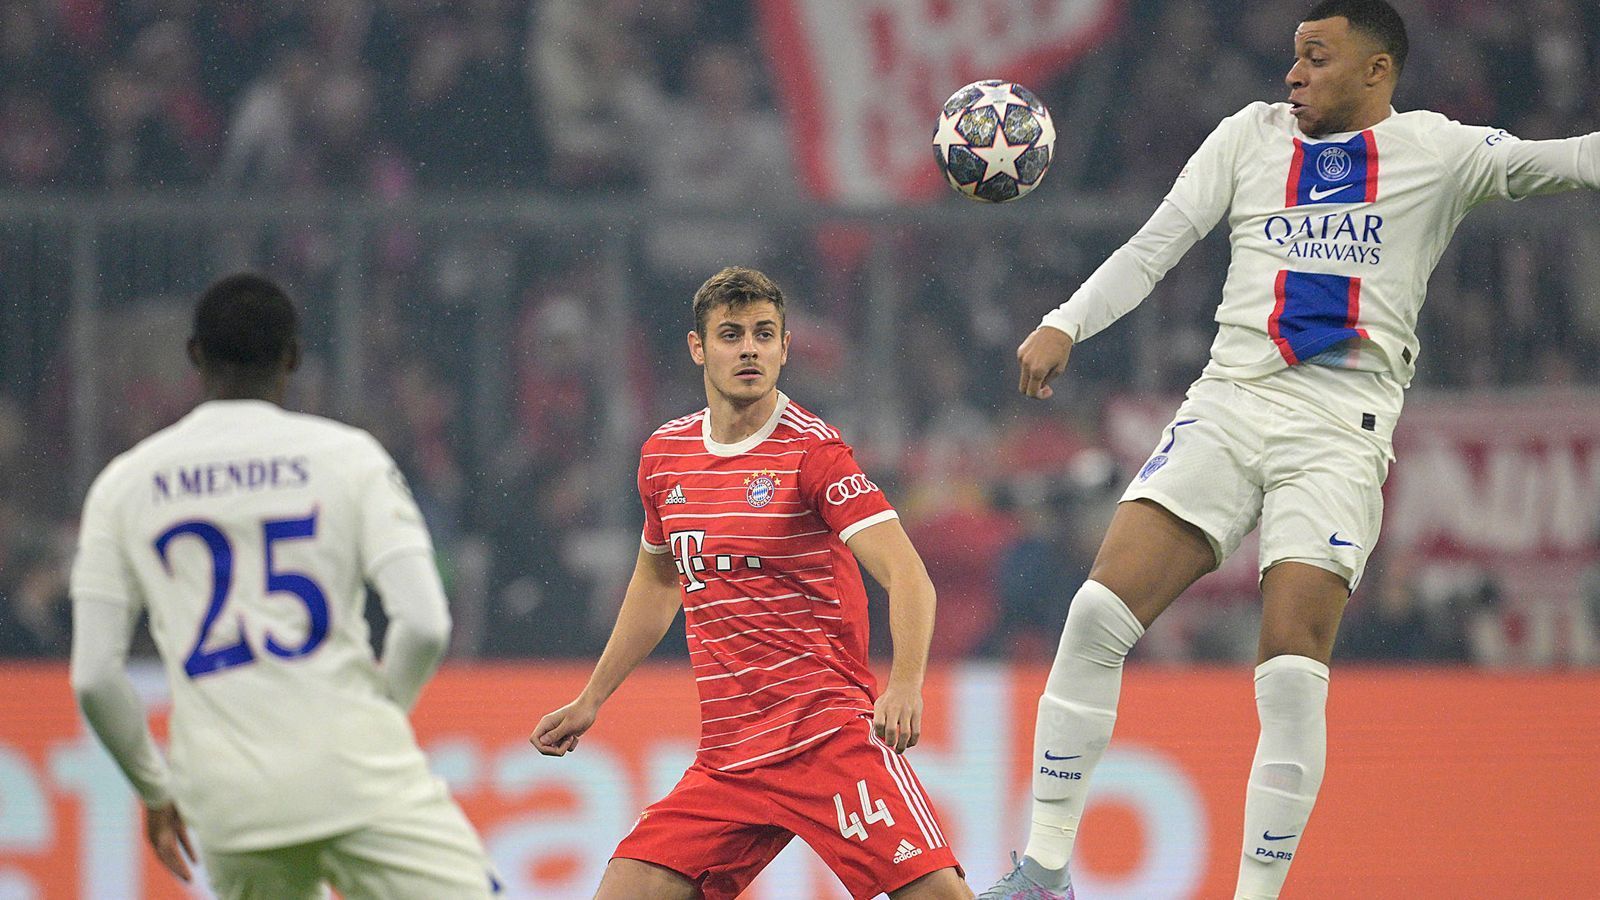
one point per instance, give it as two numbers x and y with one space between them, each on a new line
248 534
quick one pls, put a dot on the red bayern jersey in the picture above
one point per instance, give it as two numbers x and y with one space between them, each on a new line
773 599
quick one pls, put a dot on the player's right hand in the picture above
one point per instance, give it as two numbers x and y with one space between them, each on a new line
558 732
163 826
1043 356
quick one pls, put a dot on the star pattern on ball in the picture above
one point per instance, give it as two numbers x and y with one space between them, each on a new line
1047 131
1000 156
946 135
997 96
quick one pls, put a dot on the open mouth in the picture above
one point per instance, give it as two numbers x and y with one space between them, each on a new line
748 373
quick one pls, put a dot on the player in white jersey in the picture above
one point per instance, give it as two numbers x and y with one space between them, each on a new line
1338 209
248 534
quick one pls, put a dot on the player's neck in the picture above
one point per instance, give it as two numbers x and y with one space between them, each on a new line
1361 121
733 421
231 389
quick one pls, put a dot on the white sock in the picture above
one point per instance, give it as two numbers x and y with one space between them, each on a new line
1292 701
1076 713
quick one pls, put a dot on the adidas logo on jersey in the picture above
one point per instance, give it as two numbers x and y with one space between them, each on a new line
906 851
676 495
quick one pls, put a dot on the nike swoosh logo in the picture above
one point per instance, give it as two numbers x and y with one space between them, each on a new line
1277 837
1334 540
1048 756
1319 194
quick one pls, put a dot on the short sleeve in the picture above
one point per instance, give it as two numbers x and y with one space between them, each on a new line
100 569
654 538
391 523
836 489
1204 189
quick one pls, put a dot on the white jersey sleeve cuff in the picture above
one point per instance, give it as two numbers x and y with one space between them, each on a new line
656 549
856 528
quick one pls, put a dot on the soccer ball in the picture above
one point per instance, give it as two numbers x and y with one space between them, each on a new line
994 140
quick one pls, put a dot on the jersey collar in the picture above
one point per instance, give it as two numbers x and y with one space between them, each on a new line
1343 135
745 446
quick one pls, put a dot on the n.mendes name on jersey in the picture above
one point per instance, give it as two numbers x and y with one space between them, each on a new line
229 478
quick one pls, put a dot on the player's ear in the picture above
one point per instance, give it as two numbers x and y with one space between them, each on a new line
292 355
784 359
195 358
697 349
1380 66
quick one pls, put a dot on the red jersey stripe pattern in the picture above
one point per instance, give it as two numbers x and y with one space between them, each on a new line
773 599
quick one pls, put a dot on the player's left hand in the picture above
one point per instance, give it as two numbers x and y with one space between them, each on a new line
897 717
163 826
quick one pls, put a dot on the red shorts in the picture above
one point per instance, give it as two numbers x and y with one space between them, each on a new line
850 797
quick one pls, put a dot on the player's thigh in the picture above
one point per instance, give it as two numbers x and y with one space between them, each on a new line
945 884
860 806
288 873
626 879
714 830
1323 503
425 849
1321 517
1191 503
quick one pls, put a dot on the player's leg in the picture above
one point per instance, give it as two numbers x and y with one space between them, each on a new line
944 884
1189 507
289 873
709 837
421 849
626 879
860 806
1321 516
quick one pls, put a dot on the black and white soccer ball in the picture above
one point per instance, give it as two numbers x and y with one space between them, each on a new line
994 140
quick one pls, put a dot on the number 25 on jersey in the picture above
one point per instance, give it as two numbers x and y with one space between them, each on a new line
202 661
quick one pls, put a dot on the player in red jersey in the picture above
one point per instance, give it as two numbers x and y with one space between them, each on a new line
755 516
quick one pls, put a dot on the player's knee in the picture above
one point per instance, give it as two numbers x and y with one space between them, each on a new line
1100 627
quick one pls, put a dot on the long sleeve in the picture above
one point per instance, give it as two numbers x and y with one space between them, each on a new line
1128 276
101 634
1545 167
419 624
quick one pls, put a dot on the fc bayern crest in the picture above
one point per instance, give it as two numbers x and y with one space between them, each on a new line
760 488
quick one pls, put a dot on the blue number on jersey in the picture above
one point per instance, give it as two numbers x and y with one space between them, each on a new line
206 662
201 661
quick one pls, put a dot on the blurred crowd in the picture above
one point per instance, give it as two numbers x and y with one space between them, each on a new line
503 376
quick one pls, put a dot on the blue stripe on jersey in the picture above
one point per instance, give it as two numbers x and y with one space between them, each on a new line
1314 312
1334 172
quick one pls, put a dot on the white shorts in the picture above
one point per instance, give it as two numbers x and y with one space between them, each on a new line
421 850
1234 456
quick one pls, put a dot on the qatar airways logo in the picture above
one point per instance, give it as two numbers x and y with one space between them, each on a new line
1337 237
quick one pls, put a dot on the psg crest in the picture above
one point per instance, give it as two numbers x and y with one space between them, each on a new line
760 488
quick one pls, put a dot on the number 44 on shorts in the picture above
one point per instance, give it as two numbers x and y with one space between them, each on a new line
852 825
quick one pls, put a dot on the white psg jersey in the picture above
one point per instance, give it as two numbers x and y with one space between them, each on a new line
247 533
1333 239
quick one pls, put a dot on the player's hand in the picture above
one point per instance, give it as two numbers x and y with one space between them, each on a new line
558 732
1043 356
897 717
163 825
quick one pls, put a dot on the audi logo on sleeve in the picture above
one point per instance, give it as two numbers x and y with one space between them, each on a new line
847 489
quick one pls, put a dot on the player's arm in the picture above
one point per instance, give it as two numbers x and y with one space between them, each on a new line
885 550
419 624
1121 283
1199 198
648 607
1546 167
102 631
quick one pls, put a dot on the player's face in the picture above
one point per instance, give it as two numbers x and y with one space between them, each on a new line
744 349
1330 77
